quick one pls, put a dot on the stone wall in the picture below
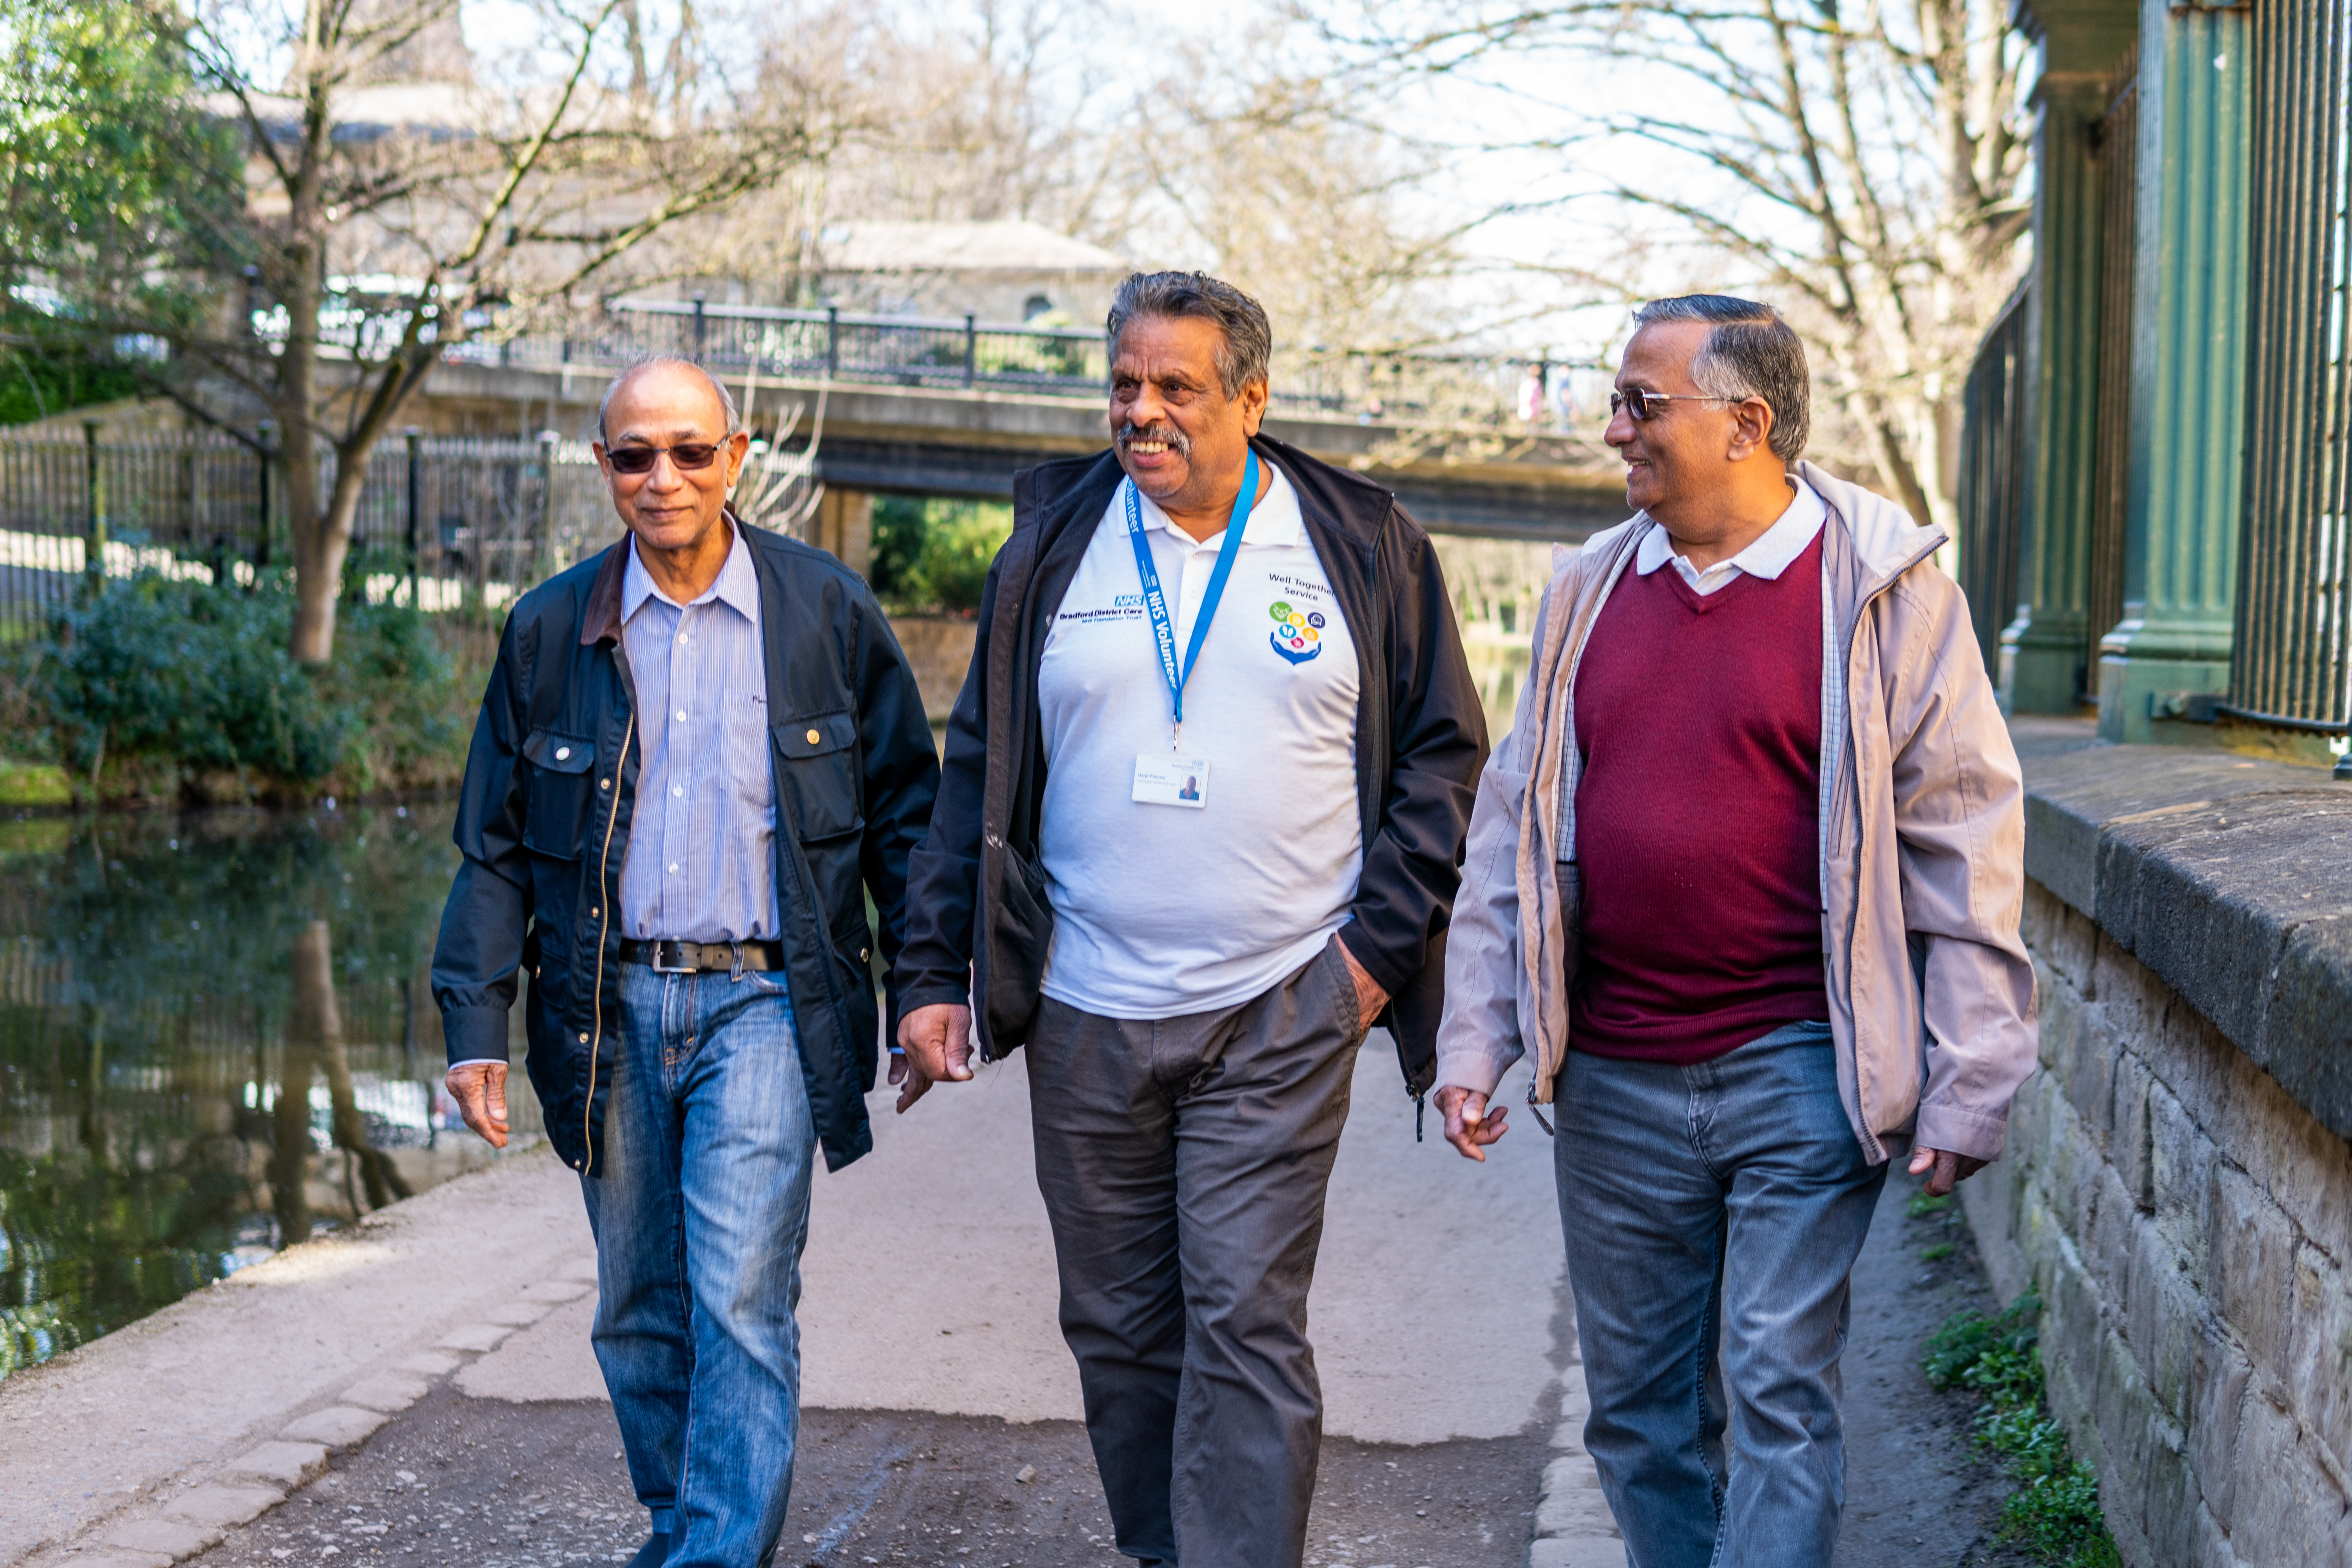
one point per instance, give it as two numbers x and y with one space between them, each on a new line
2187 1220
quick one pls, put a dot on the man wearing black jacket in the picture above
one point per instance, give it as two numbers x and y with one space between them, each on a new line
698 753
1200 829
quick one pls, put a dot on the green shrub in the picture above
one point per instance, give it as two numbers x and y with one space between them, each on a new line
2054 1512
933 554
187 673
177 681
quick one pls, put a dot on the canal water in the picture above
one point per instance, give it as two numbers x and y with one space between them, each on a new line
216 1038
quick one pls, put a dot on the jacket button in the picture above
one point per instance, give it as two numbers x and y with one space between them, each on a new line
584 1039
593 913
814 737
603 783
562 753
861 956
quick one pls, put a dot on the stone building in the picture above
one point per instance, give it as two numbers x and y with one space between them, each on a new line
1007 271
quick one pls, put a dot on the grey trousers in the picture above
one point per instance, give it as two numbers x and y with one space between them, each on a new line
1183 1164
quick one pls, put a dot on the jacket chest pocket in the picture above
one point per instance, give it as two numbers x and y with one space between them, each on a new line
558 804
817 774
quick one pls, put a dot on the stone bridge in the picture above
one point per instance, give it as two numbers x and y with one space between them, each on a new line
926 440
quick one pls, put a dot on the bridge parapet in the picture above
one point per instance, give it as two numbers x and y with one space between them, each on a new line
1492 480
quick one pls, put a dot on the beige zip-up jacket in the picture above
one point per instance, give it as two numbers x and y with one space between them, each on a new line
1922 834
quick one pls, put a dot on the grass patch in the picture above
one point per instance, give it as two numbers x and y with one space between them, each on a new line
2054 1512
1921 1206
1937 1253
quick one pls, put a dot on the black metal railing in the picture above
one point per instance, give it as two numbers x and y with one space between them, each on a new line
1991 492
2291 664
445 523
1532 393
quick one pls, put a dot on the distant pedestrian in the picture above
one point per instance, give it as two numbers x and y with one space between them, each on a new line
1533 404
698 753
1199 830
1746 875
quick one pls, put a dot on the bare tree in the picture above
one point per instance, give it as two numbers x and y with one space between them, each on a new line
1283 185
1859 161
396 210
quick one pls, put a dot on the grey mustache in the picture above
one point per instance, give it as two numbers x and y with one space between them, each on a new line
1159 430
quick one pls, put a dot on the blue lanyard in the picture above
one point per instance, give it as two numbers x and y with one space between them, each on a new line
1163 627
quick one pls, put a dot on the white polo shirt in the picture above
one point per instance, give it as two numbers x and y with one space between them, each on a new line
1162 910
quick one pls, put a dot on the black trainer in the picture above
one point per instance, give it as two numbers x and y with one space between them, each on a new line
653 1554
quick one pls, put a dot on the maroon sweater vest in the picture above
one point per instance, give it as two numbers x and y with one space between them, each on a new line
1699 722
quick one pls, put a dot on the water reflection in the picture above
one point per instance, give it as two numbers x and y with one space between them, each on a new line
217 1039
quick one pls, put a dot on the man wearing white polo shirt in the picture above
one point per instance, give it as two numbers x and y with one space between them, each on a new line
1206 787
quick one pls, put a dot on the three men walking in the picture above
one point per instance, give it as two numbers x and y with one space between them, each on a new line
1745 878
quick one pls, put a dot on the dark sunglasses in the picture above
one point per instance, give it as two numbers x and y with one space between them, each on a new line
1645 406
641 459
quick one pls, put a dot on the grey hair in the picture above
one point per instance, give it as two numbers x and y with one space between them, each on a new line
1248 342
1751 353
669 361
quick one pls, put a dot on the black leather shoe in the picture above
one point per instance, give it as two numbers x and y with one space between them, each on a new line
653 1554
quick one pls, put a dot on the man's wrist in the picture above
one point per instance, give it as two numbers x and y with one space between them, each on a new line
478 1062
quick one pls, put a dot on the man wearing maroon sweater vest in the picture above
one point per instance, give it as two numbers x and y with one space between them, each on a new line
1746 877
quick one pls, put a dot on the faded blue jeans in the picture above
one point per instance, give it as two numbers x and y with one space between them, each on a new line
1713 1214
699 1216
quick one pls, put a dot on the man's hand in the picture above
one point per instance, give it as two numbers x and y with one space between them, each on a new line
1949 1169
1469 1126
480 1090
1370 997
937 1046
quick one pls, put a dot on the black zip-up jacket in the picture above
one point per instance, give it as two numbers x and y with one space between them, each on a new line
979 923
543 823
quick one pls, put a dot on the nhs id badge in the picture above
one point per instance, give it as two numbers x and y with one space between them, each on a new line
1171 780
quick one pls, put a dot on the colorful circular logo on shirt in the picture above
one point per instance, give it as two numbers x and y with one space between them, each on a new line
1297 637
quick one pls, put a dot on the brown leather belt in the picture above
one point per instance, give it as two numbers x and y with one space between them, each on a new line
692 957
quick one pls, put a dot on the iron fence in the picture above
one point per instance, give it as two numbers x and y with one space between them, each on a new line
1993 476
446 523
965 354
2292 660
1991 498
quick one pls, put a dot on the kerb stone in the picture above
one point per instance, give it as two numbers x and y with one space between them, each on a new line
167 1537
338 1425
1556 1553
224 1505
286 1464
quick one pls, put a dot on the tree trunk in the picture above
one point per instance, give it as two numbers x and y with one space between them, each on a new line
321 547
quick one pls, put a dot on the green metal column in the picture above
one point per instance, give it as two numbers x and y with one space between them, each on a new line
2041 651
2188 357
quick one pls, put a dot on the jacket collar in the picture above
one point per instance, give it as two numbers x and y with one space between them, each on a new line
601 618
1887 539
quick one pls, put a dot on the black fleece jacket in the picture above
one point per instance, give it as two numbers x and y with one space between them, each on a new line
977 922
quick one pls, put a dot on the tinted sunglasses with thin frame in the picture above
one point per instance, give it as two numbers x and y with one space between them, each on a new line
1645 406
686 455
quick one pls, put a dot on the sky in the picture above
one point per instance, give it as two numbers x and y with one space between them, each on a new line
1534 208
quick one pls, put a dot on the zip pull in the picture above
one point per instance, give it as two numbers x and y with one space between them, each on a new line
1537 1111
1419 1104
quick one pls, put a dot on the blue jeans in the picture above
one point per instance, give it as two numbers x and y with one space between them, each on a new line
1713 1214
700 1217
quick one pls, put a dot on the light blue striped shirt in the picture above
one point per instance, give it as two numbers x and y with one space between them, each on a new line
701 862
